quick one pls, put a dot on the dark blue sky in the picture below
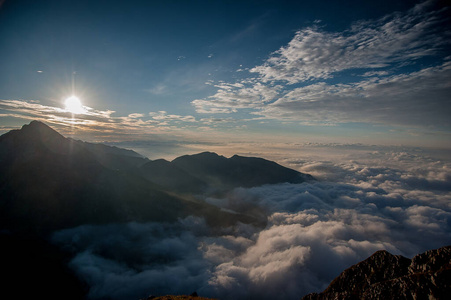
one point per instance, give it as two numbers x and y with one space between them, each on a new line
190 65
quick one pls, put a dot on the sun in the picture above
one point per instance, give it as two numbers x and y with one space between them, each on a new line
74 105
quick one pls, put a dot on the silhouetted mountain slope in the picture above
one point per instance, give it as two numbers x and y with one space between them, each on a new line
37 137
209 171
48 182
387 276
237 171
169 175
255 171
114 157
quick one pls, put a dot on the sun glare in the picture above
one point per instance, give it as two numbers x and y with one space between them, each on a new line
74 105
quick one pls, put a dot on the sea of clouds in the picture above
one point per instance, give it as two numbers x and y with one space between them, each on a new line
368 200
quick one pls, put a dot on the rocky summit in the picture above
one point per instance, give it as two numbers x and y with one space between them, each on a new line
387 276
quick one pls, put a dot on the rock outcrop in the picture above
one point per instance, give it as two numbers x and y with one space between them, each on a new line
387 276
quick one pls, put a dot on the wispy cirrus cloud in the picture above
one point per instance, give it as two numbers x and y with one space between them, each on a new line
371 73
316 54
231 97
98 124
164 116
405 99
101 125
33 108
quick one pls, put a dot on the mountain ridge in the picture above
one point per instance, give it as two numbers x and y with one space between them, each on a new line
49 182
218 173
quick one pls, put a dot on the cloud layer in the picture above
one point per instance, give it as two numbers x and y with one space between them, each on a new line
382 200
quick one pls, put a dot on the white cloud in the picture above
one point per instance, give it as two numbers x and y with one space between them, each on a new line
379 61
375 73
414 99
131 261
164 116
409 99
314 53
98 124
36 110
231 97
135 115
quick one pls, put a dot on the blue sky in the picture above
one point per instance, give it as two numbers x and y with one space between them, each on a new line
373 72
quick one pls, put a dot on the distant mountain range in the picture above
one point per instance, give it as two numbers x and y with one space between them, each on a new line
209 172
49 182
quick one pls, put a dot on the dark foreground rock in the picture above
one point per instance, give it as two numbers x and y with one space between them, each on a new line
387 276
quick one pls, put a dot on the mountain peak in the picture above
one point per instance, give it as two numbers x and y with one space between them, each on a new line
38 127
386 276
36 123
201 156
32 140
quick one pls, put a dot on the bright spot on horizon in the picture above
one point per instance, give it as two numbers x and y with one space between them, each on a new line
73 105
